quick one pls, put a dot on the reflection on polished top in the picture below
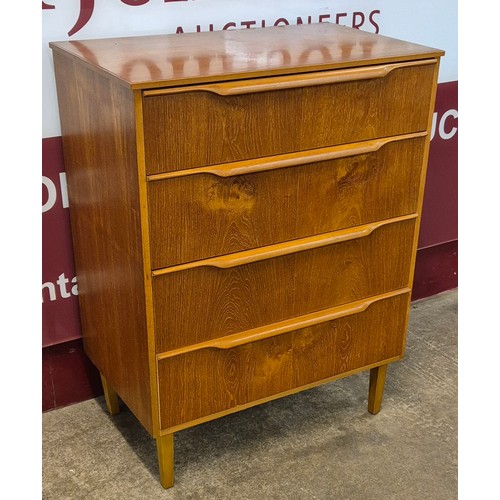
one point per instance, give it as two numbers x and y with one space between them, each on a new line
166 60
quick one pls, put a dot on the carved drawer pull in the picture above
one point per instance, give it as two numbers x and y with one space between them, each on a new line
287 160
292 81
268 331
289 247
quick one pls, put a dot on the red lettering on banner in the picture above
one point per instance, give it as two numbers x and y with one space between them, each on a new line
339 15
374 24
356 24
199 30
358 19
309 20
281 21
248 24
134 2
86 11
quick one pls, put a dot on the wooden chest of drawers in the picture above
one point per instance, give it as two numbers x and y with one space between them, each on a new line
245 210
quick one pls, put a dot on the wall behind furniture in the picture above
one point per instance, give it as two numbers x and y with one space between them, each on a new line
68 376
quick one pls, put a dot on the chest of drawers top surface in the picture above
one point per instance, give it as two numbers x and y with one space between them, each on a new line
178 59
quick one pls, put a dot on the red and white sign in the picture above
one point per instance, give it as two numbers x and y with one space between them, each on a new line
60 313
432 24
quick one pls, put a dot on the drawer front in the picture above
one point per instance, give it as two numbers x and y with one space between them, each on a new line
220 377
222 296
219 210
191 128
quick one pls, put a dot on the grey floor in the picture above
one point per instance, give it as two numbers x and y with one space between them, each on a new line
318 444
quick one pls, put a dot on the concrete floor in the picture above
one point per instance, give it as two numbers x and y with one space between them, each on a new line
319 444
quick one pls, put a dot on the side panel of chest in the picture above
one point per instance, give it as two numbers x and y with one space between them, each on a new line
99 139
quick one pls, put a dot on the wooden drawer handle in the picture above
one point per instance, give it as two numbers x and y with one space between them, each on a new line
280 249
292 81
287 160
286 326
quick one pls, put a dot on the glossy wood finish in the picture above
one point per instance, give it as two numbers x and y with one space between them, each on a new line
220 129
276 162
98 123
287 248
256 370
171 60
288 325
247 209
216 301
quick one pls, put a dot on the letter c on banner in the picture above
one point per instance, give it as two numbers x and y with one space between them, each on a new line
442 133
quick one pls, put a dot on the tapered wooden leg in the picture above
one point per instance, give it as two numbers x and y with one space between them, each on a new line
110 396
376 391
165 446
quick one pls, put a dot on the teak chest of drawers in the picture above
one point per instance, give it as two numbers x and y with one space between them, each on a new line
245 208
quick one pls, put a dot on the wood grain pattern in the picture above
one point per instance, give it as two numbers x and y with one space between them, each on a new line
288 325
248 211
276 162
98 126
281 249
273 397
202 303
214 129
245 208
253 371
170 60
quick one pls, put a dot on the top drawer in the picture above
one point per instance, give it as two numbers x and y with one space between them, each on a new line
186 127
